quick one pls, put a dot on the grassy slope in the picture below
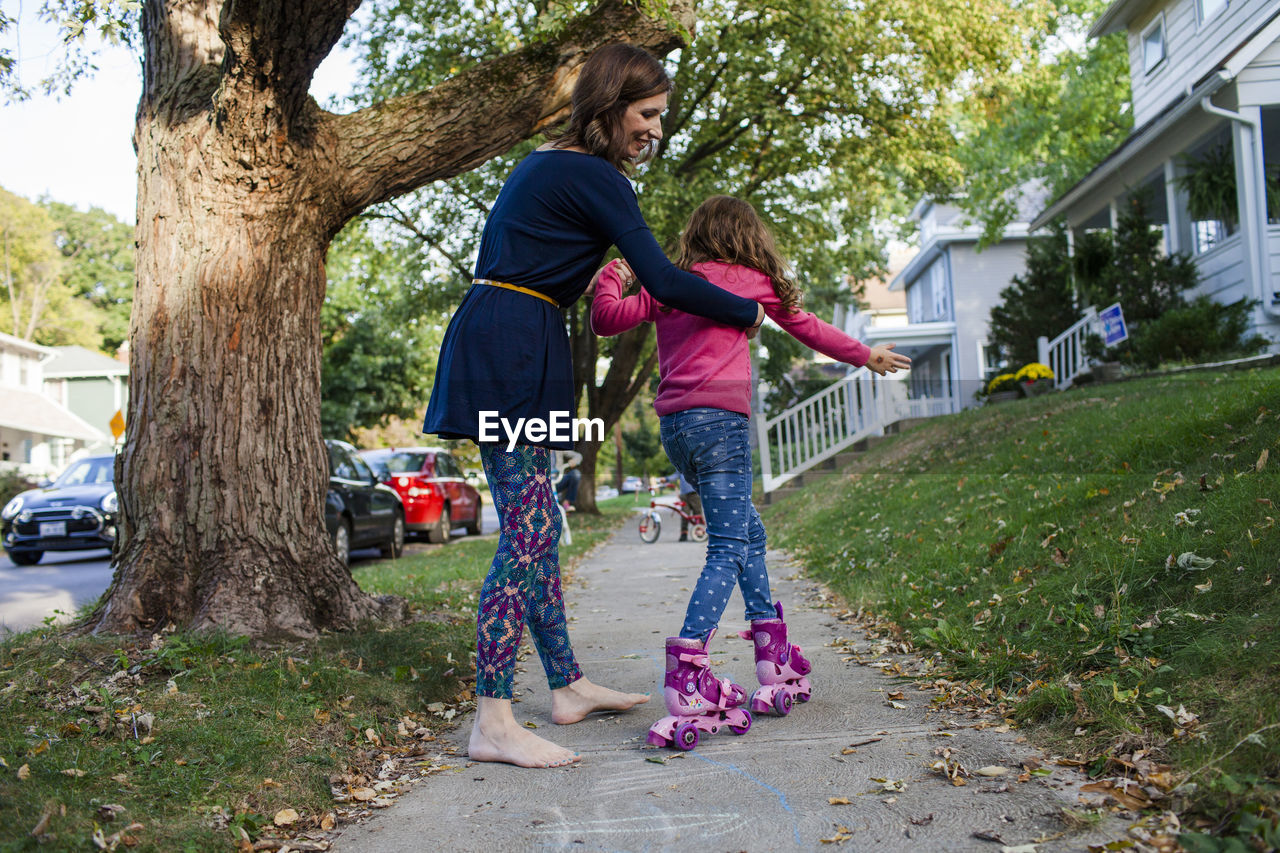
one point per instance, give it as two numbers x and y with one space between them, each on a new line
1031 545
246 729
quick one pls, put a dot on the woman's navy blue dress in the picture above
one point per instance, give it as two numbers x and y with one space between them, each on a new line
508 352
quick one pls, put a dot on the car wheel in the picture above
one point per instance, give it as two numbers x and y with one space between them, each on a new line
395 545
440 533
473 526
26 558
342 542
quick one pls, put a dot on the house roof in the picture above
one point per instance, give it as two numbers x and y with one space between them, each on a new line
19 343
1116 17
72 361
28 411
1236 60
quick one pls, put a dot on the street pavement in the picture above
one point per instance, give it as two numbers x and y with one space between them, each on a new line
63 582
852 767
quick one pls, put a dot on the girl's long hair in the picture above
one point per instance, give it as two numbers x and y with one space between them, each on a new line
724 228
611 79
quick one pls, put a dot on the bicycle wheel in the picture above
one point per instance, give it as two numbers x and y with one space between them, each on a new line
650 527
698 531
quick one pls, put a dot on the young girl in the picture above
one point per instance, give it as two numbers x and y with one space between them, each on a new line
703 402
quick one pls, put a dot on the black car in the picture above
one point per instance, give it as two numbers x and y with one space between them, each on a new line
359 511
77 512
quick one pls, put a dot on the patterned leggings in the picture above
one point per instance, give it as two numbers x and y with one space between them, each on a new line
524 581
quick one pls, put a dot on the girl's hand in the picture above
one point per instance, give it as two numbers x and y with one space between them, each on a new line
884 360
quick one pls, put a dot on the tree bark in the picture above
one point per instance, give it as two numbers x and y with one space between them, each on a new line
242 183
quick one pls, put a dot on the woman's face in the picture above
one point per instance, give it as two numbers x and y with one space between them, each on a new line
642 123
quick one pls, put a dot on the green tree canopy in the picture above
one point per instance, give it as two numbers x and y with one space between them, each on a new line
100 271
1046 122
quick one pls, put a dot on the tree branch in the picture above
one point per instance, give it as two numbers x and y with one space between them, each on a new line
391 148
279 43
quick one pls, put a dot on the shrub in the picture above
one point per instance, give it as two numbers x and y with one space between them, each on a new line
12 484
1198 331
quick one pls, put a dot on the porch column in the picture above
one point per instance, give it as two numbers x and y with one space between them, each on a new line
1246 137
1178 231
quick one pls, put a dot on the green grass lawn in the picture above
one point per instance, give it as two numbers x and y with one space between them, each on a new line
1105 562
199 738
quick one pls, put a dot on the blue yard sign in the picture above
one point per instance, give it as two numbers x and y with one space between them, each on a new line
1111 319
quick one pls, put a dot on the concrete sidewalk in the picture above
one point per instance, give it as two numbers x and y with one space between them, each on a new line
770 789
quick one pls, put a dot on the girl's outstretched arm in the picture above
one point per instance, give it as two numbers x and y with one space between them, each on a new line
611 314
819 335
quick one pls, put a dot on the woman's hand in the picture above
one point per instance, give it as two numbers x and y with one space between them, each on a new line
752 331
620 269
884 360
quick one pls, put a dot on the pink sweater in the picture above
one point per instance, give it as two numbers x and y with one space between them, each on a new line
702 363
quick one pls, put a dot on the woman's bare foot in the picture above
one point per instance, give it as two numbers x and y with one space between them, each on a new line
570 704
496 736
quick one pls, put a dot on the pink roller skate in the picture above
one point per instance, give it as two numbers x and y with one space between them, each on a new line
781 669
697 701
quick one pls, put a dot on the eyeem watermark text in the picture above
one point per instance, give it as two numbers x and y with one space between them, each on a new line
561 427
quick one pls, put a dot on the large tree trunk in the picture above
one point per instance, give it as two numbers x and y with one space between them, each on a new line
243 181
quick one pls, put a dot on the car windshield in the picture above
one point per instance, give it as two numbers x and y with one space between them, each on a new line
87 472
396 462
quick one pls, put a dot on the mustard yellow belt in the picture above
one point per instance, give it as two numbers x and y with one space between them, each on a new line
516 288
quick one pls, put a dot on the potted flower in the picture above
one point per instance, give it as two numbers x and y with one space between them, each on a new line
1034 378
1002 387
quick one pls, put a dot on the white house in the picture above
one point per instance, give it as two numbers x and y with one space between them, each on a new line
950 289
1206 79
38 436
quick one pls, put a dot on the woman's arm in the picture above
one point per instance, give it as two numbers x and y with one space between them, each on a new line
675 288
611 314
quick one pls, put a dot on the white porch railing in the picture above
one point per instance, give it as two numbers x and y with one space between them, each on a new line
1064 355
852 408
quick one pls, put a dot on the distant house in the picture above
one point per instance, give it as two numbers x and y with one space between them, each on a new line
38 435
91 385
950 288
878 306
1205 77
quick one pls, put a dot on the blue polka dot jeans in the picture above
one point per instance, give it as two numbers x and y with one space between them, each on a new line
712 448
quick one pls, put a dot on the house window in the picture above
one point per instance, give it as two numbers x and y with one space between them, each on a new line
939 287
24 372
1153 45
1209 8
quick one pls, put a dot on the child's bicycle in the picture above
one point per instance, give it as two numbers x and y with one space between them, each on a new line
651 520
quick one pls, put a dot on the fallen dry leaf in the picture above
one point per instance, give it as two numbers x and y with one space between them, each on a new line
838 801
363 794
285 817
992 770
328 822
74 772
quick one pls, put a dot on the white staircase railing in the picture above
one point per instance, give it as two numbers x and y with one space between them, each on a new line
854 407
1064 355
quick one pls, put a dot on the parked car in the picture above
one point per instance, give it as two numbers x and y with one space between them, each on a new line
360 511
436 493
76 512
633 484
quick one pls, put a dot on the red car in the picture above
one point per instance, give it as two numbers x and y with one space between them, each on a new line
431 484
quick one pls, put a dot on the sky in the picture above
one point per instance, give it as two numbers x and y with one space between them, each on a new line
79 149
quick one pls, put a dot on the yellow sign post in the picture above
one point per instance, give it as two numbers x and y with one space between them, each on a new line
117 424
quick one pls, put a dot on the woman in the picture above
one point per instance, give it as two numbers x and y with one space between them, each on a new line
506 355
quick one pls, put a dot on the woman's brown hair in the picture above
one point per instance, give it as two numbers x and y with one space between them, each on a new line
611 79
724 228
